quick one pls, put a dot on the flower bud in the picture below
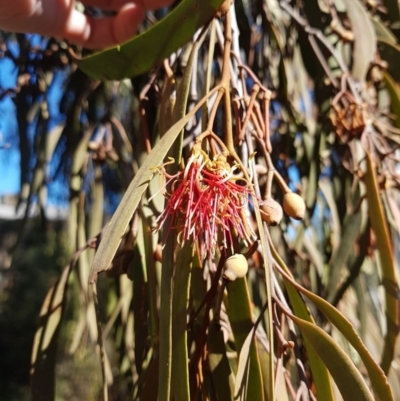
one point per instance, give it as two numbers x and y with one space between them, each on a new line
271 212
293 205
236 266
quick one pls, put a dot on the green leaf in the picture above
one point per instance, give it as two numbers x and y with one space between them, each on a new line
137 272
243 369
148 49
382 32
222 375
394 93
387 263
351 229
348 379
364 38
319 371
240 317
180 368
377 377
267 257
117 226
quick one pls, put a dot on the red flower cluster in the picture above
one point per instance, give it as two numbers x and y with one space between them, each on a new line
205 201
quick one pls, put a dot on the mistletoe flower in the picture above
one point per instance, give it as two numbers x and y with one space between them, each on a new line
205 202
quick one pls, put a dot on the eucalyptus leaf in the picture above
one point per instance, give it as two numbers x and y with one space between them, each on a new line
388 264
378 379
150 48
364 38
117 226
348 379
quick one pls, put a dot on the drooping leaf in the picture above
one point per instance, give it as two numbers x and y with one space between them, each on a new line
394 93
117 226
147 50
222 375
377 377
364 38
348 379
266 254
180 369
351 229
319 370
248 378
382 32
388 264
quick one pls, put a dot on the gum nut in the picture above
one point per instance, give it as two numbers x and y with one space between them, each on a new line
293 205
271 212
236 266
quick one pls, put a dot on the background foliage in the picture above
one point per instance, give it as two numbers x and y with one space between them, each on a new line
291 97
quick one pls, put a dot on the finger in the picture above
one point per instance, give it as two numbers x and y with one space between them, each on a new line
117 4
96 33
107 5
154 4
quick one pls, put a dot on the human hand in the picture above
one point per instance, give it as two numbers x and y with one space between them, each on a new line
60 19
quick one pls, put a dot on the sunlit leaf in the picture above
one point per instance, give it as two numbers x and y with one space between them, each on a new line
319 370
147 50
248 383
378 379
364 38
348 379
130 201
388 265
180 369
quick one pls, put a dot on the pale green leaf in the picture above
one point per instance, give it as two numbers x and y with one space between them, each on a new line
348 379
148 49
377 377
248 377
364 38
117 226
180 366
387 263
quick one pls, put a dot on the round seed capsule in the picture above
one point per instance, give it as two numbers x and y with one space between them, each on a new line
271 212
236 266
293 205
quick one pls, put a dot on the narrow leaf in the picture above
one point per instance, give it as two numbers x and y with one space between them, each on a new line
394 93
117 226
364 38
267 257
348 379
147 50
240 316
378 379
180 369
387 263
221 372
319 370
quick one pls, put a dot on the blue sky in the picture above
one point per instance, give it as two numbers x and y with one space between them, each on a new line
10 155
